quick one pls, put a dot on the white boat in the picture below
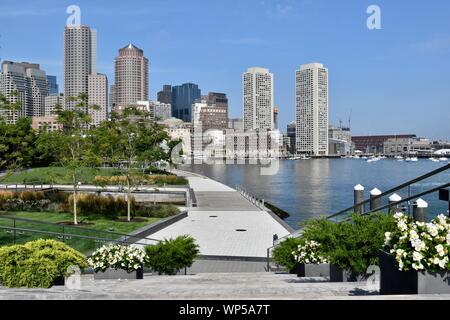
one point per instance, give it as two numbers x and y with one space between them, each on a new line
374 159
434 159
411 159
443 159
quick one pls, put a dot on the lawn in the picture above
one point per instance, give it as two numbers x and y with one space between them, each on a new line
95 227
57 175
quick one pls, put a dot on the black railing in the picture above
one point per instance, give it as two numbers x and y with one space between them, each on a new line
69 229
389 192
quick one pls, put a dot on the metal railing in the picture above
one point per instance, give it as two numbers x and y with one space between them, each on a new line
390 191
18 225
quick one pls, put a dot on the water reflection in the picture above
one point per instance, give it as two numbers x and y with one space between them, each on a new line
310 188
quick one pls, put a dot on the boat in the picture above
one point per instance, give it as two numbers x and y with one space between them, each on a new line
374 159
411 159
434 159
443 159
399 158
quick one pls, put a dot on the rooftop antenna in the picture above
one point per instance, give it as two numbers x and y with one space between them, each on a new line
350 119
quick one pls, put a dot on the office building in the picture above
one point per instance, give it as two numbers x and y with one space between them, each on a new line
53 88
131 76
258 99
165 96
51 102
98 98
30 84
312 110
183 97
80 60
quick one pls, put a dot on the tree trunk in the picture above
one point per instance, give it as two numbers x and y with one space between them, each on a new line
75 222
128 200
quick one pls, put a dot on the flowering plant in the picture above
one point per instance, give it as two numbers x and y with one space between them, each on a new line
420 245
128 258
307 252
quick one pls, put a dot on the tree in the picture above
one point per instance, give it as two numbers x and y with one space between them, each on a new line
132 141
71 148
16 139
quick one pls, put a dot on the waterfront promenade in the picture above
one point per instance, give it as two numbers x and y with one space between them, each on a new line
224 223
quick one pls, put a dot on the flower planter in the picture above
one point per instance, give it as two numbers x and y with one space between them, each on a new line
394 281
110 274
313 270
60 281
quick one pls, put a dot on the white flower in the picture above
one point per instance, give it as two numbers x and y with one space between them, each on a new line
417 256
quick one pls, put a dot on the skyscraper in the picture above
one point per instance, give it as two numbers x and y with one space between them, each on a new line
258 99
30 83
80 59
131 76
165 96
98 97
182 99
312 110
53 88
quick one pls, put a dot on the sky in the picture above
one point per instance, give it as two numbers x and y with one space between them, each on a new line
391 81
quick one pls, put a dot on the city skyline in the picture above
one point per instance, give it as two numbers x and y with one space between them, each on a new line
391 80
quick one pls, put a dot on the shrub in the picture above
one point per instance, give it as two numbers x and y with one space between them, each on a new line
17 204
148 179
31 195
352 245
92 204
282 253
419 245
5 196
156 211
37 263
308 251
170 256
117 256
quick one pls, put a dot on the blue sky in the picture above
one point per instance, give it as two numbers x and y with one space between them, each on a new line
395 80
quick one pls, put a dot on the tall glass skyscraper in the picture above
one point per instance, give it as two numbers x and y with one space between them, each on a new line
53 88
182 99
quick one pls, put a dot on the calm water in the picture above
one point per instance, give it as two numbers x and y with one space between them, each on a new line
309 188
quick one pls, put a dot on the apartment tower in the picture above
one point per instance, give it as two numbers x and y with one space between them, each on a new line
312 110
258 99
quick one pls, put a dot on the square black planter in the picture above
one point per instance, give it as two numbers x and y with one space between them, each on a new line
313 270
60 281
115 274
394 281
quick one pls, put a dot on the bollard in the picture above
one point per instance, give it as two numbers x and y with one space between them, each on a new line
375 200
358 198
393 199
420 210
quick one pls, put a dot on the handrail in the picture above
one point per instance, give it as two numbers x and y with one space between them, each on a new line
69 235
403 185
73 226
418 195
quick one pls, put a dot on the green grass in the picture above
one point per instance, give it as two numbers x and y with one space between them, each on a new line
98 224
57 175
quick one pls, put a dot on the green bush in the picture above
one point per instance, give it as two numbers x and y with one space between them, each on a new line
282 253
93 204
37 263
170 256
352 245
156 211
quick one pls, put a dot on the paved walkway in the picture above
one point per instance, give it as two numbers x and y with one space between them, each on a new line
261 286
224 223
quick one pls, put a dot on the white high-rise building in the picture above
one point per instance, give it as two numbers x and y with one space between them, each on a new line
80 58
51 102
31 85
98 97
311 83
258 99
